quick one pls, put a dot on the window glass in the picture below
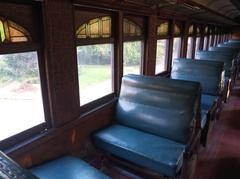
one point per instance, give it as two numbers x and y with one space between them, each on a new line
20 93
205 43
176 48
95 64
161 57
215 40
197 45
132 57
210 41
190 47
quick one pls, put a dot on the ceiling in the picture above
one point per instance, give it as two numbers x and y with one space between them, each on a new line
215 11
224 7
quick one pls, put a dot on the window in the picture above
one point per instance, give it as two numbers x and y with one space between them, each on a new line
205 43
161 57
210 41
162 47
197 45
190 47
176 48
21 101
132 47
132 57
20 93
95 61
215 39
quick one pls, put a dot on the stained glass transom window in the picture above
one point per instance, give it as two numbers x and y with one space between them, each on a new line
131 29
198 31
206 30
163 29
190 30
96 28
12 32
176 29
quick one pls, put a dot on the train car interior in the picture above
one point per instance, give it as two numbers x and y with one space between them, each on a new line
121 89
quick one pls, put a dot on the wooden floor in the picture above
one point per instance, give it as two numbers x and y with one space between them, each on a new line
221 158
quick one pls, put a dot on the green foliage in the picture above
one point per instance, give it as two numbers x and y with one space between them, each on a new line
102 54
132 53
95 54
21 67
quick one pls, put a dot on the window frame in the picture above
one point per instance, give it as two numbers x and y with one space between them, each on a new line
21 47
164 37
85 108
166 58
173 35
192 35
135 38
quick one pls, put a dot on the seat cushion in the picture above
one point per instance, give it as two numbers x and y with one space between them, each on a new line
207 101
147 150
67 167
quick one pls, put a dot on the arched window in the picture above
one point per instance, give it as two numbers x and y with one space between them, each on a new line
131 29
96 28
190 30
206 30
176 30
198 31
12 32
162 29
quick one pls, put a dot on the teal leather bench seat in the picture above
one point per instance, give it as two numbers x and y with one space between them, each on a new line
148 150
67 167
225 49
217 56
155 122
229 66
210 75
207 101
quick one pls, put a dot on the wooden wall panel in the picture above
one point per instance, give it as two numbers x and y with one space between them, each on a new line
61 60
150 47
66 140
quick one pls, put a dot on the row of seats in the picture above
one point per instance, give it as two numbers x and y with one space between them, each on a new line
159 122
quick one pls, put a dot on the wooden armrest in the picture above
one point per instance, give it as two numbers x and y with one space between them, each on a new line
193 145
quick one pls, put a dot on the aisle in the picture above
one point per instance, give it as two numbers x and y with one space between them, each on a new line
221 158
